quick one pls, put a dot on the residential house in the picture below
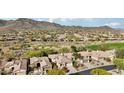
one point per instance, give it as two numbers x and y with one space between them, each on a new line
61 60
41 63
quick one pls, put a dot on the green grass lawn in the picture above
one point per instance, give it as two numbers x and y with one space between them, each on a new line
106 45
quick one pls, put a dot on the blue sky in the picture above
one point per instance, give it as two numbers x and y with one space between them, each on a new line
85 22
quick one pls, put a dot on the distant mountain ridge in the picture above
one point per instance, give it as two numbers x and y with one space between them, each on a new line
30 24
25 23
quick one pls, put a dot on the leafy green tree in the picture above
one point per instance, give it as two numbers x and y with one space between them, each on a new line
30 54
119 63
120 53
43 53
73 48
9 55
56 72
99 72
64 50
81 48
37 53
74 63
50 51
76 55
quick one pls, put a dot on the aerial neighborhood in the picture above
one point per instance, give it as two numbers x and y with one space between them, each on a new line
40 65
30 47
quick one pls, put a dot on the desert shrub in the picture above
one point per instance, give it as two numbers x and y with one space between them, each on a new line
99 72
56 72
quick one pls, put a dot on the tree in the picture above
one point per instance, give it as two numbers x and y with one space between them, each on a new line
99 72
43 53
73 48
9 55
56 72
74 63
81 48
30 54
119 63
38 53
44 38
76 55
50 51
64 50
120 53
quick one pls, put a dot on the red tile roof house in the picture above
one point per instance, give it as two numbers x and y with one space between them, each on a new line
61 60
11 66
103 54
43 63
17 67
98 55
23 66
7 66
85 56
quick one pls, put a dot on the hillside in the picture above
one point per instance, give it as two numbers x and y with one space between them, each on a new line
26 24
22 24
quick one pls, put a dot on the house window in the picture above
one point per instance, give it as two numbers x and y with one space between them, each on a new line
38 65
12 68
90 59
43 69
60 64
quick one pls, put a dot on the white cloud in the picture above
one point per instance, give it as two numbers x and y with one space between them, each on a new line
115 24
51 20
58 19
63 19
83 19
69 19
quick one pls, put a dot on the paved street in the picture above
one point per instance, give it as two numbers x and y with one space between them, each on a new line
87 72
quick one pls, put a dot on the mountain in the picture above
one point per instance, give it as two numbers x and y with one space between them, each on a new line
25 23
22 24
119 28
3 22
